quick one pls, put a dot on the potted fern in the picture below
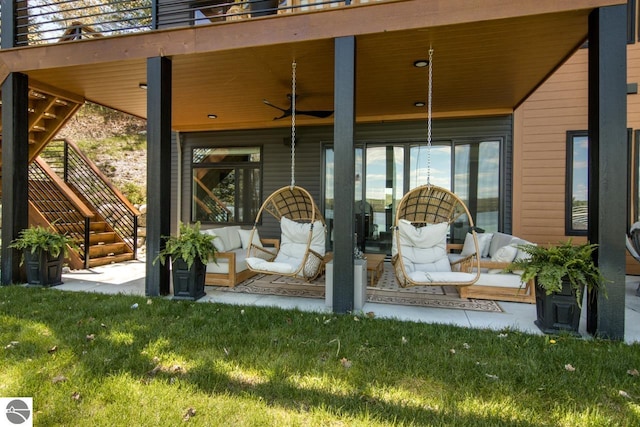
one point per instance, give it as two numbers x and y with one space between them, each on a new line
562 274
189 252
44 250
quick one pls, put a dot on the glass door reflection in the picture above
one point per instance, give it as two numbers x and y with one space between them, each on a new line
383 189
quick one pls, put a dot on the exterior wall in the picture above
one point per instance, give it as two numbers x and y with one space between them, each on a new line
540 127
276 171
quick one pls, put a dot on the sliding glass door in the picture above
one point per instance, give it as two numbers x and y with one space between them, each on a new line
385 172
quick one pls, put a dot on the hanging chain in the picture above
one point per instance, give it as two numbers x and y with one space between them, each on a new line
293 123
429 98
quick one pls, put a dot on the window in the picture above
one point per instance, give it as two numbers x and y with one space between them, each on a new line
385 172
577 185
226 184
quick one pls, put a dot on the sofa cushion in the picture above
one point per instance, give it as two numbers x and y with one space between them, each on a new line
484 240
221 265
245 235
234 238
218 243
498 241
502 280
505 254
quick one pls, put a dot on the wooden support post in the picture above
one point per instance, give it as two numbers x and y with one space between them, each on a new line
15 172
343 136
158 172
607 151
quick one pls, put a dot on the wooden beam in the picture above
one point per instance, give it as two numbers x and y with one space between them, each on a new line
607 152
159 70
15 176
344 181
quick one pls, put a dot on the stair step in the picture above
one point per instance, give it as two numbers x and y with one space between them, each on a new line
96 251
102 237
98 226
95 262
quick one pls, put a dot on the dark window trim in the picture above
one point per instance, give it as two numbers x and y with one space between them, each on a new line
631 21
231 165
568 214
633 175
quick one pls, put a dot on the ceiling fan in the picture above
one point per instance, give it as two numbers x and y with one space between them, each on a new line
322 114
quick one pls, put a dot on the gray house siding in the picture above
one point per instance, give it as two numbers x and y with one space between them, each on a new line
276 170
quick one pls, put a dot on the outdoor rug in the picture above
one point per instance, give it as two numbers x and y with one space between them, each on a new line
386 291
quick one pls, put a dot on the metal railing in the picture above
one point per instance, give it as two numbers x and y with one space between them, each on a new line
80 173
48 21
57 208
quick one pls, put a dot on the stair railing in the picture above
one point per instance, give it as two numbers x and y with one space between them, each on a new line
80 173
58 206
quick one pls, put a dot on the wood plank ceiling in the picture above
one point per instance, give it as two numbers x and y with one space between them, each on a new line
480 68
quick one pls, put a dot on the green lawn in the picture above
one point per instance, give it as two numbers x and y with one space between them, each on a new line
93 360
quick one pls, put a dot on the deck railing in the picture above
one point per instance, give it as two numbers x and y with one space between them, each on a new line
50 21
80 173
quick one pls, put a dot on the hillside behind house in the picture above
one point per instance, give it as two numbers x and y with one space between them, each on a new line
116 143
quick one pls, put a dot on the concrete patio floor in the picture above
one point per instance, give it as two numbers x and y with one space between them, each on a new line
129 278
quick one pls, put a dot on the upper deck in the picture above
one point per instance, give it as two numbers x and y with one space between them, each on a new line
489 56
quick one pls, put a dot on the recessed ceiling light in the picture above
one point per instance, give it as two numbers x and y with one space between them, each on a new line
419 104
142 85
212 116
421 63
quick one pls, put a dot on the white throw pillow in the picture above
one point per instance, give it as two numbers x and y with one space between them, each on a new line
295 236
505 254
484 240
245 235
234 238
217 241
422 237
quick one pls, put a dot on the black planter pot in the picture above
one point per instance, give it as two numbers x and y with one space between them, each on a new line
558 312
188 283
263 7
43 269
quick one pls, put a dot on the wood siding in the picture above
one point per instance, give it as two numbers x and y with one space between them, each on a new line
540 132
276 171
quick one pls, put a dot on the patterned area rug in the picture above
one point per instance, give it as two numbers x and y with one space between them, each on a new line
386 291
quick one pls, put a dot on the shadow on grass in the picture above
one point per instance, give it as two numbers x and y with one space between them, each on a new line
106 336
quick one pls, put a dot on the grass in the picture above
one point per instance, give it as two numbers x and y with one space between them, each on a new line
91 359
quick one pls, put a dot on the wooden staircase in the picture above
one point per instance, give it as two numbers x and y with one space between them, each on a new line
64 201
56 204
49 109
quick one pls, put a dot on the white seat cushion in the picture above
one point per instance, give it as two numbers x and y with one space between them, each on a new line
245 235
273 267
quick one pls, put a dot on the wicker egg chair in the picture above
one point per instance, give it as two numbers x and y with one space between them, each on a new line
420 209
308 231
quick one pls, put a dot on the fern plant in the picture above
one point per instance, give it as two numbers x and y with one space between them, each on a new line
552 265
45 239
188 245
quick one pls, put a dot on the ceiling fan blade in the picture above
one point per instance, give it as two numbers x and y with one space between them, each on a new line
285 114
274 106
322 114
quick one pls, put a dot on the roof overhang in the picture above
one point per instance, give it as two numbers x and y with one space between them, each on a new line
488 57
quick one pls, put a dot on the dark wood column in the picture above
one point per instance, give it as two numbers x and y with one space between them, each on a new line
607 152
15 172
158 172
343 136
